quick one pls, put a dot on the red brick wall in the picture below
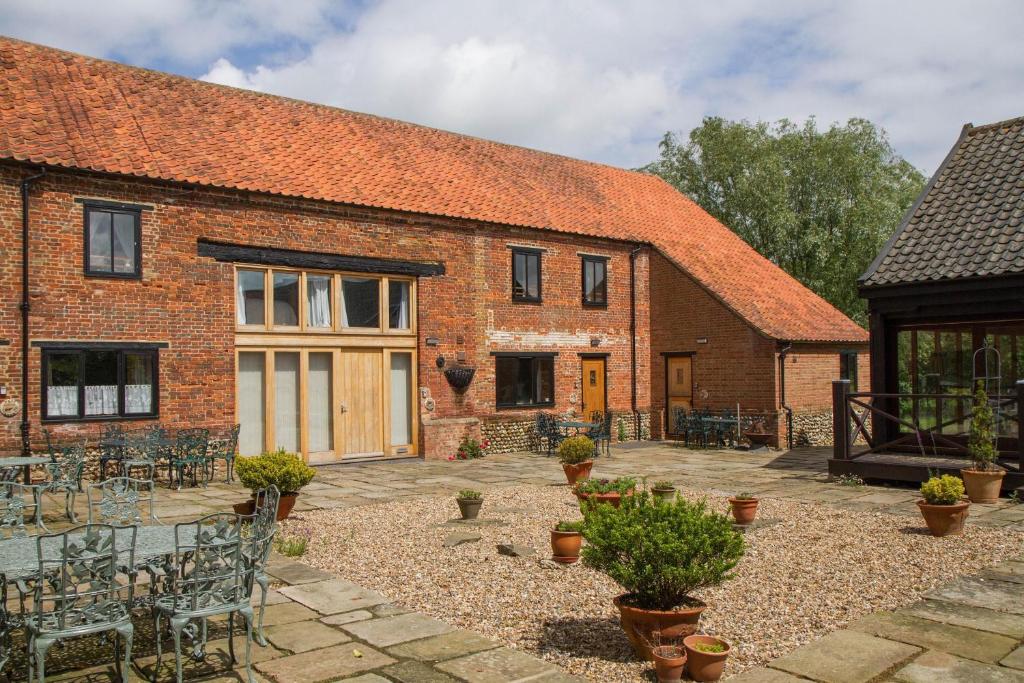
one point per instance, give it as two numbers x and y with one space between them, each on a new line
188 301
810 370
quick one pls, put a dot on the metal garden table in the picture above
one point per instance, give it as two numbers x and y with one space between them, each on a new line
569 424
24 463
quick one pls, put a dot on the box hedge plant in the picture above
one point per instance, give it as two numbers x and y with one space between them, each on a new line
575 449
281 468
944 490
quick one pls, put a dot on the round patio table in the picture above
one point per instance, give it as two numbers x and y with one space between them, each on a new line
25 463
569 424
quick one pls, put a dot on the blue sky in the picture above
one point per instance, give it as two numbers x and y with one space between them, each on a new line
596 79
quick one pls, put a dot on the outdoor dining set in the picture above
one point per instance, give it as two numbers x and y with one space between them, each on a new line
703 428
549 431
123 563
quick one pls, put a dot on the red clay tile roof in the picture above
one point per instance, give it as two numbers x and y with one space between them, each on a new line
67 110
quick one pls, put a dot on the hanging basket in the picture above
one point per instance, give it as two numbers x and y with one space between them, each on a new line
459 377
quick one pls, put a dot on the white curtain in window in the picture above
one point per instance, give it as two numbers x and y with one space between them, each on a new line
239 301
318 291
400 305
101 400
61 401
138 398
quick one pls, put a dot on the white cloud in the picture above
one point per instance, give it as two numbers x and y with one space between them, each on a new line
597 79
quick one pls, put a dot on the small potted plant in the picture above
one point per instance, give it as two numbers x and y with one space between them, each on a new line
663 490
566 540
469 503
577 457
669 661
943 508
744 508
984 479
705 657
609 491
285 470
660 553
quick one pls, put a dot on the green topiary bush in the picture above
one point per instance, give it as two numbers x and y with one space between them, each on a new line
661 552
944 490
575 449
281 468
982 438
621 485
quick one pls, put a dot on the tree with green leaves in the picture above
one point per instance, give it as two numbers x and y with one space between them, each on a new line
820 204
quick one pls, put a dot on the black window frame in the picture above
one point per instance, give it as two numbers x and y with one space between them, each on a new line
532 358
596 261
80 350
848 367
112 208
528 253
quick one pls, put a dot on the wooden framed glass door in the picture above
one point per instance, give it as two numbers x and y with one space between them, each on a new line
678 388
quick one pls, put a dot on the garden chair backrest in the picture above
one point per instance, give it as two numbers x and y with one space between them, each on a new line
264 525
67 469
680 419
120 500
51 447
191 444
12 509
210 556
77 584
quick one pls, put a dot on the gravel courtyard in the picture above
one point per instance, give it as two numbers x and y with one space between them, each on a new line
812 570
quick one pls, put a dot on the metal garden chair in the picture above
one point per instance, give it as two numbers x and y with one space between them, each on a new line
263 528
225 450
113 446
65 476
120 500
76 592
189 455
145 451
602 435
212 577
12 510
552 433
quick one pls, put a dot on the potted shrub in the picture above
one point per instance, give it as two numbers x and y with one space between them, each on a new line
663 490
705 657
469 503
744 508
984 479
566 539
577 457
660 553
943 508
285 470
669 661
609 491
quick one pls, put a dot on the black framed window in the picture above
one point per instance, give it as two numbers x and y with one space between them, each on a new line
113 243
99 383
526 275
595 281
848 368
525 381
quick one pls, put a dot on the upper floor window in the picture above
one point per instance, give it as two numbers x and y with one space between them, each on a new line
848 368
595 280
97 383
112 241
526 277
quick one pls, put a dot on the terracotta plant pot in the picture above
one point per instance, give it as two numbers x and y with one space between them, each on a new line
665 495
641 625
577 472
565 546
614 499
983 486
744 510
469 507
944 520
669 661
705 666
284 506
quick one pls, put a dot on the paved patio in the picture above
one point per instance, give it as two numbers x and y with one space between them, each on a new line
323 628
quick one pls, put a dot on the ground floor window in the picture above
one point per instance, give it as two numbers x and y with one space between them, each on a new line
848 368
525 380
97 383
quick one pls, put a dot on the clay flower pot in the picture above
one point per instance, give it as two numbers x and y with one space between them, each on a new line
983 486
944 520
705 666
664 495
565 546
469 507
614 498
744 509
284 506
577 472
669 661
640 625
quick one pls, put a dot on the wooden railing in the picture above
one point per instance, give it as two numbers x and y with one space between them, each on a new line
875 420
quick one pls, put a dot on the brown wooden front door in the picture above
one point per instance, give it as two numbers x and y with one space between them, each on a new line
678 387
361 406
593 386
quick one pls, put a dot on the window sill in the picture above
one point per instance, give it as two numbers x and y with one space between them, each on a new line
99 418
113 276
524 406
524 300
589 304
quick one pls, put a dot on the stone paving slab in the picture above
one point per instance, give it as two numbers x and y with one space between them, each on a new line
347 617
324 665
1015 660
845 657
1001 596
303 636
765 675
388 631
333 596
940 667
445 646
955 640
415 672
500 665
287 613
972 617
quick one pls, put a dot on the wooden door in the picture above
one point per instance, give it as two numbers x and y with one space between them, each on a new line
593 386
678 387
360 403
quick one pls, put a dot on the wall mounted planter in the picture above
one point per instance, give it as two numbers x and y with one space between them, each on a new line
459 377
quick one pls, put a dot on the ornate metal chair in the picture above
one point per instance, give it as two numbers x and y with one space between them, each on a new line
145 449
120 500
12 510
602 435
113 448
76 592
551 432
189 455
65 476
211 577
225 450
262 530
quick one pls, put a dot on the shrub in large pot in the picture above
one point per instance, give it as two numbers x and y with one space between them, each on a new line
609 491
660 553
577 457
285 470
984 479
943 508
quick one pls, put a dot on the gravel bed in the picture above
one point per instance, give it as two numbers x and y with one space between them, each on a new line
813 571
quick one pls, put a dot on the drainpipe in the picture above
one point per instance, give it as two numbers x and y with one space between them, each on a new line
26 185
783 351
632 338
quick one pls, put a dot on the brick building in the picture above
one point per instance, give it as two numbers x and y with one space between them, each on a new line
348 286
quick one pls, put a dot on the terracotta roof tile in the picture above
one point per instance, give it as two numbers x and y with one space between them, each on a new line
68 110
